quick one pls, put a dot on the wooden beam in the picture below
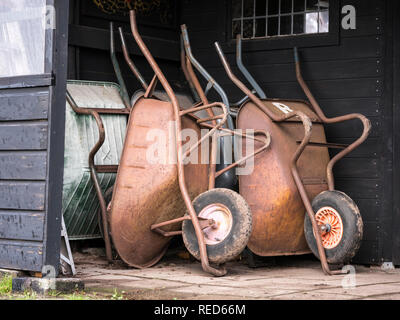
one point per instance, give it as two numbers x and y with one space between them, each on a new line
96 38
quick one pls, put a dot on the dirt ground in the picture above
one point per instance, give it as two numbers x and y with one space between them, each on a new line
284 278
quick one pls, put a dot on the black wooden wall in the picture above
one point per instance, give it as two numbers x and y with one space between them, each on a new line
350 71
350 74
89 56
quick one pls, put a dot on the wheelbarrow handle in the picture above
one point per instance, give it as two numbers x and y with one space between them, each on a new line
129 61
205 74
244 70
117 70
365 121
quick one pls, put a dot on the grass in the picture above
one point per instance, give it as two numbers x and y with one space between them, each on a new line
118 295
6 293
5 285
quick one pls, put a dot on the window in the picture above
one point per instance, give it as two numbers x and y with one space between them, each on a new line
22 37
271 18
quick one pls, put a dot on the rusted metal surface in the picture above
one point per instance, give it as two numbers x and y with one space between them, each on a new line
276 205
284 160
146 194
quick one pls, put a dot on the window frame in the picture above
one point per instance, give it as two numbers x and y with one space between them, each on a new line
284 41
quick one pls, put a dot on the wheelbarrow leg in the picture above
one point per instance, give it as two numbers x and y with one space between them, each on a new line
100 196
202 247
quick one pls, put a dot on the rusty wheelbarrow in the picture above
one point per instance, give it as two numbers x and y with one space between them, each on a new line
150 197
296 169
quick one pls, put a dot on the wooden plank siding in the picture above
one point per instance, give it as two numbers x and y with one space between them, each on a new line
31 136
23 176
348 77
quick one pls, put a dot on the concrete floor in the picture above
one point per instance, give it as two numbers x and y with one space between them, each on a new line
286 278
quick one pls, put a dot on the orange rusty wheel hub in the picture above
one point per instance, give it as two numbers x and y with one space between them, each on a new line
222 225
332 226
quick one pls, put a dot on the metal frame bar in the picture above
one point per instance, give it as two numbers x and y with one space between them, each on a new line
95 113
279 15
124 91
129 61
244 70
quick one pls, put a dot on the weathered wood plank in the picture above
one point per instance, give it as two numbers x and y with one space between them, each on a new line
371 231
357 168
96 38
368 253
365 7
321 89
360 188
24 104
23 136
370 107
369 209
350 48
371 148
314 70
20 225
23 165
365 26
22 195
21 255
37 80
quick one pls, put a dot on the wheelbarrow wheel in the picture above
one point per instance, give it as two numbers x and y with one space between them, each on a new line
229 234
343 226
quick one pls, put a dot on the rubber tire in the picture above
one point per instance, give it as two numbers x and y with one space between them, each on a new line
352 226
236 240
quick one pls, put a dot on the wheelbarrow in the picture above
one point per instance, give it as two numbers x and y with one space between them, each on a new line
82 153
295 170
96 117
149 200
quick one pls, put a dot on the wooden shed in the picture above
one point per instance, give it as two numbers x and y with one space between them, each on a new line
351 63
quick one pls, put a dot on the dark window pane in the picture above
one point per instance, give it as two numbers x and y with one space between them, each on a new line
273 7
286 6
272 26
260 28
298 5
261 7
248 28
298 23
248 8
286 25
236 28
236 8
312 5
